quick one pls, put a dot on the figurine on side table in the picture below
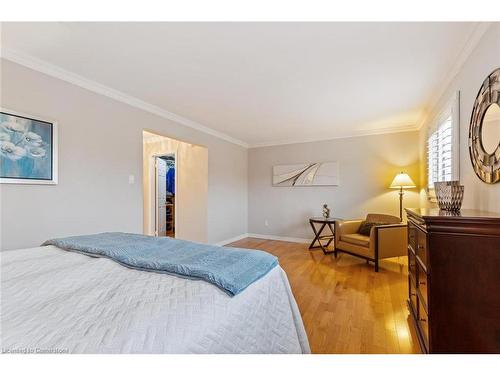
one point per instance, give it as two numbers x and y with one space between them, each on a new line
326 211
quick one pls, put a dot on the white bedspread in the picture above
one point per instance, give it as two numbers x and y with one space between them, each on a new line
53 300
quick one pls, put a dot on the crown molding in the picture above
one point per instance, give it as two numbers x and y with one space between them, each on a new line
470 45
93 86
62 74
365 133
44 67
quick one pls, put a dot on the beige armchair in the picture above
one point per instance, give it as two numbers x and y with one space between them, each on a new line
385 241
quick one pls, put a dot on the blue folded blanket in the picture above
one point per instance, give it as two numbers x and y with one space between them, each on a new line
230 269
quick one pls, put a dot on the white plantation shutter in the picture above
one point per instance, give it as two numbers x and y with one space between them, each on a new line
442 146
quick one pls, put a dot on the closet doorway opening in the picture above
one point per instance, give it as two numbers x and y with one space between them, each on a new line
175 188
165 195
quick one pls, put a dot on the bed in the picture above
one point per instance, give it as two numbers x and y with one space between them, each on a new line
63 302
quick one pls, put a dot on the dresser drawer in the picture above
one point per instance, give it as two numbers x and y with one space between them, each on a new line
422 283
421 249
423 323
412 298
412 236
417 241
412 266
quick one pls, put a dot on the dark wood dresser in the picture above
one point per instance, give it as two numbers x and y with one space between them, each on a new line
454 280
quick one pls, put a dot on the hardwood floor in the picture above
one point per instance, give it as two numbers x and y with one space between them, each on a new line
345 305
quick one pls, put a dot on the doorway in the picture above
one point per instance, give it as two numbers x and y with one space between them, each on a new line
165 183
180 209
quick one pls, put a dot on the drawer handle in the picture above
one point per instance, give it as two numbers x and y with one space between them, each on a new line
422 283
422 320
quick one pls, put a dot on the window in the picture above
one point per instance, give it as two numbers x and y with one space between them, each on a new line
443 145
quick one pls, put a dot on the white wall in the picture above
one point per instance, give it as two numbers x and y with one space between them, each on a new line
367 166
100 145
482 61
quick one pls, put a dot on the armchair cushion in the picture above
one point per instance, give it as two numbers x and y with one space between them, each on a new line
356 239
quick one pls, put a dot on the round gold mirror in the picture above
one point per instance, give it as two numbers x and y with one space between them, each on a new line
484 130
490 129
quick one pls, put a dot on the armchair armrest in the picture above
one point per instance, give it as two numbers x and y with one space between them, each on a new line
385 227
390 240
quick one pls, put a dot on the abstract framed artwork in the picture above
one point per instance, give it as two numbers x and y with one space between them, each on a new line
28 149
306 174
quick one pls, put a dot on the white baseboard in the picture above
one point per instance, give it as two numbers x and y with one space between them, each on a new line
279 238
230 240
264 237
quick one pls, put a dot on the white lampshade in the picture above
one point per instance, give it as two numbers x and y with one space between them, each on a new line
402 180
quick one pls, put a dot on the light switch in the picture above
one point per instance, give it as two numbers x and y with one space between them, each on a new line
131 179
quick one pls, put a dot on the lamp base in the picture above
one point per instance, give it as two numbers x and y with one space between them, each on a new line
401 193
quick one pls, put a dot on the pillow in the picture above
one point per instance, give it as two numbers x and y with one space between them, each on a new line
366 226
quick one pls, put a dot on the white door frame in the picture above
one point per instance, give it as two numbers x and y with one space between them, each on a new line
154 195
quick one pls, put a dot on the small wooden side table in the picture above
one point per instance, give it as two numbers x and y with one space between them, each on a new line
318 236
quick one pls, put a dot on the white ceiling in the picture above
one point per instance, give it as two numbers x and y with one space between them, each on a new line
261 83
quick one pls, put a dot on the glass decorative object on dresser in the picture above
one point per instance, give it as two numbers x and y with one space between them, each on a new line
449 195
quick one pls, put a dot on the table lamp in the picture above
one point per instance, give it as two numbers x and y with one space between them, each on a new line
402 181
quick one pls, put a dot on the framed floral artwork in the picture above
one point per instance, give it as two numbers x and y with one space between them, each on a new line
28 149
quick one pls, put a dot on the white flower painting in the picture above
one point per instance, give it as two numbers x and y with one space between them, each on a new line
307 174
26 149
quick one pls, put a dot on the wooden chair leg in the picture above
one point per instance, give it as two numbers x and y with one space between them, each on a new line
376 265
